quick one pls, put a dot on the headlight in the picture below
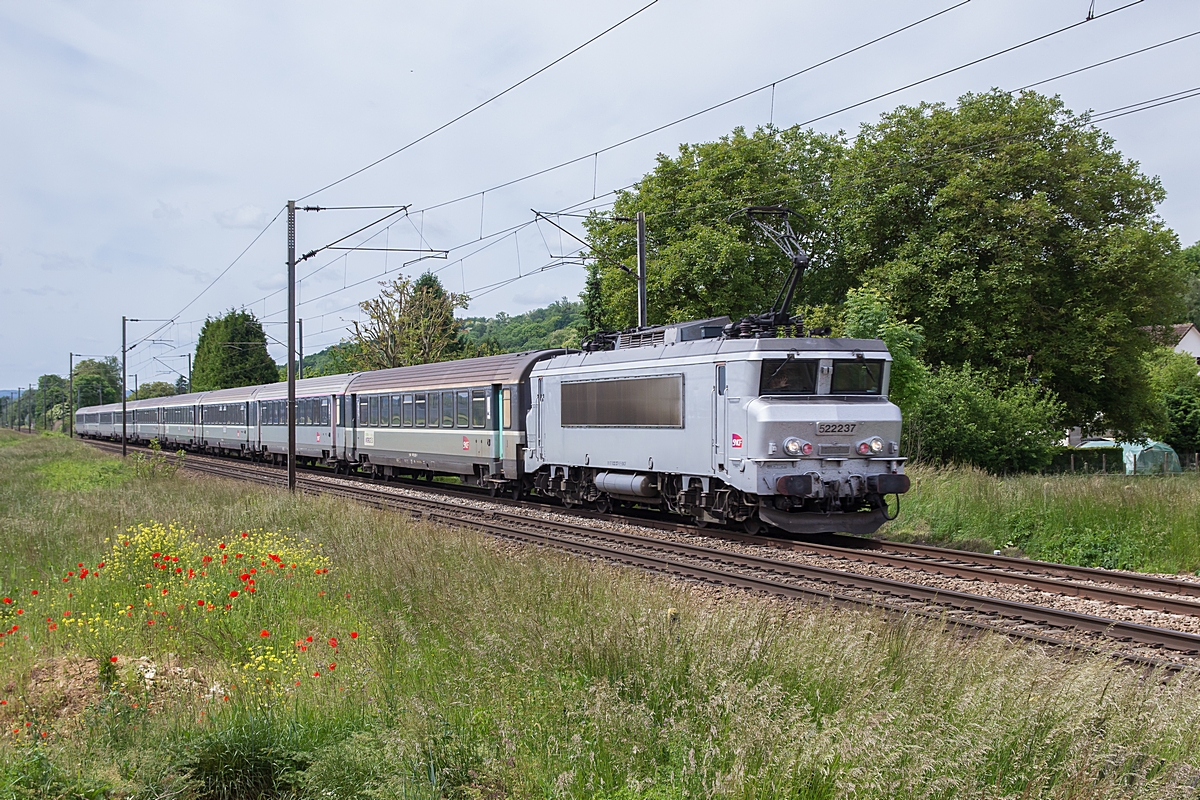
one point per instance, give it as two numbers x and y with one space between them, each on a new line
795 447
872 446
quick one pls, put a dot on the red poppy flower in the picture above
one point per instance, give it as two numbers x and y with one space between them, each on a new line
113 659
353 634
303 648
265 633
332 642
199 602
34 591
309 639
244 534
53 626
316 674
253 571
7 600
100 565
332 667
221 546
149 622
234 593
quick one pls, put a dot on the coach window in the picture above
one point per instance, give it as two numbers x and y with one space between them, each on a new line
464 409
447 409
419 410
373 415
434 409
324 412
479 408
408 410
385 411
506 408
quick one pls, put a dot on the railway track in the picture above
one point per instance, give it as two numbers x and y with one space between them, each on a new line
798 580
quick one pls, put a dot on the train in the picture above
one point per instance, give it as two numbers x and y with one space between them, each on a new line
758 423
789 433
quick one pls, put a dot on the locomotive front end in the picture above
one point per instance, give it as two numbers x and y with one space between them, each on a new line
824 440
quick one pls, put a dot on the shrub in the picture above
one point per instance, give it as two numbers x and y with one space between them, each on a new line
965 416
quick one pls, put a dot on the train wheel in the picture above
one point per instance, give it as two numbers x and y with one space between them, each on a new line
603 504
754 526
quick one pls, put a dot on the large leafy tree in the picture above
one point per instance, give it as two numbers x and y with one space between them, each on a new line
410 322
1190 258
232 351
154 389
703 258
1022 240
97 382
1011 230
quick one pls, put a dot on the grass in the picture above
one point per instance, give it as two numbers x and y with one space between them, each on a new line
481 671
1147 523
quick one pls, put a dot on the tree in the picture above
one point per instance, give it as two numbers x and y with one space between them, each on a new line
1022 239
408 323
337 359
868 316
1176 387
703 260
967 416
154 389
1190 259
557 325
231 352
97 382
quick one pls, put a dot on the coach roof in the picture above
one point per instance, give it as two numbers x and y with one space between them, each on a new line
503 369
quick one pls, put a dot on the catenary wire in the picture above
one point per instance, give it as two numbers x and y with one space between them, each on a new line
491 99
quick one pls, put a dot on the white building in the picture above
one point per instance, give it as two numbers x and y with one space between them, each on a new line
1186 339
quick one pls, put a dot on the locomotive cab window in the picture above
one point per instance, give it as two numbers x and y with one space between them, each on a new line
857 377
788 376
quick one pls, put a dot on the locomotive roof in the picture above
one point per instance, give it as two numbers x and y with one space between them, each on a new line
504 369
715 348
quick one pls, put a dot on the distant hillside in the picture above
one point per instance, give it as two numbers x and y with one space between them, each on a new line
556 325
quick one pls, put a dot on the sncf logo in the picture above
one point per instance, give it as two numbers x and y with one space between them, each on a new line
737 441
466 443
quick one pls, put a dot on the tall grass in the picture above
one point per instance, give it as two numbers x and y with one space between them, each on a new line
1147 523
487 671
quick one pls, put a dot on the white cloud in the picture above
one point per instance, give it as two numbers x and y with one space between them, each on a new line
61 262
165 212
247 216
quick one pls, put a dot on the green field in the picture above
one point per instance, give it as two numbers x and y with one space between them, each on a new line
444 665
1144 523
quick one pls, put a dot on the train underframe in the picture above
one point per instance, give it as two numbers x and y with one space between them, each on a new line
848 506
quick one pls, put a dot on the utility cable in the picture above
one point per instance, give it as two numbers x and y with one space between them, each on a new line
491 99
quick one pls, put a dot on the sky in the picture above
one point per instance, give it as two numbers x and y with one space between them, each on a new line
146 146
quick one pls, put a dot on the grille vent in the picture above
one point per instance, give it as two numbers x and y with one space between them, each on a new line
641 339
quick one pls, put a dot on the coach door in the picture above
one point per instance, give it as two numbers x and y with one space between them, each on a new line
720 417
539 400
